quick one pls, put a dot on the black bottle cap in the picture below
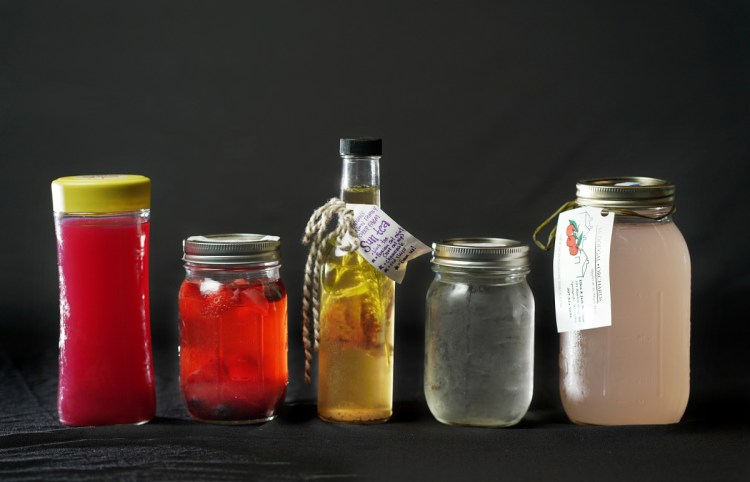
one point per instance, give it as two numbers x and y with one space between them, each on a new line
360 146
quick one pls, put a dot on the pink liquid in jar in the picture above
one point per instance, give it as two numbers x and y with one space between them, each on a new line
636 371
106 368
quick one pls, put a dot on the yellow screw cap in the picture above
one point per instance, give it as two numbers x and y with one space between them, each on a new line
106 193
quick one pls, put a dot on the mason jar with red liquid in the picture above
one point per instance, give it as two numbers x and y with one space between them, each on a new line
233 328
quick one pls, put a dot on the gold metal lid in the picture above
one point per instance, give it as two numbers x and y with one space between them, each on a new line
232 249
625 192
485 253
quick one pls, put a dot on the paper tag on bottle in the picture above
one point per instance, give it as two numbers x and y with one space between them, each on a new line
383 243
581 269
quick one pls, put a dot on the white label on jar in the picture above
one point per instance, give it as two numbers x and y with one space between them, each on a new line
383 243
581 269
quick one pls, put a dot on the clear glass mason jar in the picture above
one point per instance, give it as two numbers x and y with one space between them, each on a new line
106 373
636 371
479 334
233 328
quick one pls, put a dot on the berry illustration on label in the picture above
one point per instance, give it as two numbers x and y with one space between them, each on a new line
574 238
577 233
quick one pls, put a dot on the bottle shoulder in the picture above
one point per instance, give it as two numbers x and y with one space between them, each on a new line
350 269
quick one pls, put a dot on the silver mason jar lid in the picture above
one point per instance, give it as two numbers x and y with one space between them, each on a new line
232 249
486 253
625 192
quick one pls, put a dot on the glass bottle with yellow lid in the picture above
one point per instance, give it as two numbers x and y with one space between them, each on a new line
106 368
355 372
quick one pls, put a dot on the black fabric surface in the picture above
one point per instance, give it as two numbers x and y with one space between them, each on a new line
712 442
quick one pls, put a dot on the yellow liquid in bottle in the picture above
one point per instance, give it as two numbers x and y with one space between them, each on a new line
355 382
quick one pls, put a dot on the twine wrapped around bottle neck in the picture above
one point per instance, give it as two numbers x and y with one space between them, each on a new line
574 204
319 233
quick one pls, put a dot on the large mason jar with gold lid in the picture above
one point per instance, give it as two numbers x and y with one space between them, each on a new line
636 371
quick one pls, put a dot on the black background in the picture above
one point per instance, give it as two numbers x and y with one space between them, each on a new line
489 112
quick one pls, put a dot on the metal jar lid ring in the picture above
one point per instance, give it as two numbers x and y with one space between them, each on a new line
625 192
496 253
232 249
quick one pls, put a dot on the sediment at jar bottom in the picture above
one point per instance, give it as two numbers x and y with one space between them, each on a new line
357 386
234 402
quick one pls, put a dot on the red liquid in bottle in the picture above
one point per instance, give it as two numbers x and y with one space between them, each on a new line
106 369
233 349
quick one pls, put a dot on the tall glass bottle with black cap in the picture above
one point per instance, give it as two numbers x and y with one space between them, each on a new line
355 375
